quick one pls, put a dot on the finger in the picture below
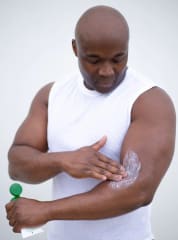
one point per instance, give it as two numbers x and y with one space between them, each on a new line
123 172
12 222
9 215
96 173
110 176
115 177
113 166
16 228
99 144
98 176
9 206
108 160
107 166
102 174
108 170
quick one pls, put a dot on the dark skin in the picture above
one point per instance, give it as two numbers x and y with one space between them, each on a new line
151 135
102 63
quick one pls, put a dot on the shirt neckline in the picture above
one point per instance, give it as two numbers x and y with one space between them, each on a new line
89 92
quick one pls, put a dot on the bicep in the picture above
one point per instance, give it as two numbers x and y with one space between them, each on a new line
33 130
151 136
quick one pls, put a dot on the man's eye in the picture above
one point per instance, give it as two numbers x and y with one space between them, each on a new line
118 59
93 61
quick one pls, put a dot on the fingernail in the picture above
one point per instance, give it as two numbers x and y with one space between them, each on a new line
122 169
125 174
117 178
104 178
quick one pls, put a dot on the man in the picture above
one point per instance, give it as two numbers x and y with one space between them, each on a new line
106 137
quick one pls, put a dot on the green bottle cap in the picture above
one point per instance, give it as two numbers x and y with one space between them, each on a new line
15 189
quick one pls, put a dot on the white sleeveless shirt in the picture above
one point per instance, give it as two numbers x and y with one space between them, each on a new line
79 117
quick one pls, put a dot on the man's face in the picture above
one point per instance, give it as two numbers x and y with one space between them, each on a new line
102 62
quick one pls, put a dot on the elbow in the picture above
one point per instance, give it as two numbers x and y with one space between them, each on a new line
19 170
147 199
11 167
14 169
145 195
12 173
15 176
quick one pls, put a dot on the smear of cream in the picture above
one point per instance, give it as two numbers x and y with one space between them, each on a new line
132 166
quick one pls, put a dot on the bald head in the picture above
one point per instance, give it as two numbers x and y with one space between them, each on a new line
101 22
101 45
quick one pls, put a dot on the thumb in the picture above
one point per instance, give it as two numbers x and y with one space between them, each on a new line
99 144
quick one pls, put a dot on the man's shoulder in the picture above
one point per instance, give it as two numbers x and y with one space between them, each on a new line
155 95
155 102
42 95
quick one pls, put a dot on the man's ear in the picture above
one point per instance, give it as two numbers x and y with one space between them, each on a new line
74 46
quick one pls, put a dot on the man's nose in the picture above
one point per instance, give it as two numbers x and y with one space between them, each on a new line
106 70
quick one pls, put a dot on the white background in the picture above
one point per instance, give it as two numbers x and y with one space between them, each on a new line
35 48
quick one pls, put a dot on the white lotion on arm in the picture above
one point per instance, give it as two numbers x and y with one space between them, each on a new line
132 167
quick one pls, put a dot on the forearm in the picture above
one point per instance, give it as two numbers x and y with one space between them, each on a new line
108 199
32 166
101 202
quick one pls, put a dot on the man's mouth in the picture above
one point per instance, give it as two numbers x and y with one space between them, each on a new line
105 83
104 86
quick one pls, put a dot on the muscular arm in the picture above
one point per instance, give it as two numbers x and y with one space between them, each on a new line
151 135
30 161
28 158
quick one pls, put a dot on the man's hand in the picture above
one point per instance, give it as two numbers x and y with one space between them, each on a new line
23 213
88 162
